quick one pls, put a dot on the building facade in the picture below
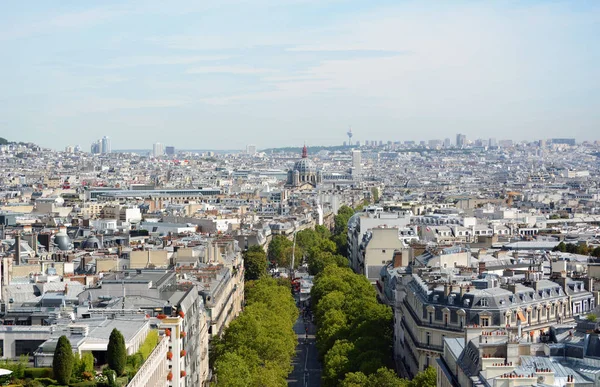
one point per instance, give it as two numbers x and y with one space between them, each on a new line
426 312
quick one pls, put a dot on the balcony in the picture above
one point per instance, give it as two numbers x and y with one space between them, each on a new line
434 325
416 343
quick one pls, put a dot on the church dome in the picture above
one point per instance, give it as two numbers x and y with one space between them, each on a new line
305 166
91 243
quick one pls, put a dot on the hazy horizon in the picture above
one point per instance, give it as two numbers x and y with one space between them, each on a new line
280 73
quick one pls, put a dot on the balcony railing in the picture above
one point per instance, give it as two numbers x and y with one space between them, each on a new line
145 375
418 344
447 327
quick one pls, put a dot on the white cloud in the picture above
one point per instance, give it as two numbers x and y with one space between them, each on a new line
101 105
136 61
239 70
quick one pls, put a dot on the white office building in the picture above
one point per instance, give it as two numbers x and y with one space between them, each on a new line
158 150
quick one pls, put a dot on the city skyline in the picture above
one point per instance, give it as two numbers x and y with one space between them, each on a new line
278 74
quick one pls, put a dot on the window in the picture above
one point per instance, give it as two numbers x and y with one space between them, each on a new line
26 347
485 321
484 302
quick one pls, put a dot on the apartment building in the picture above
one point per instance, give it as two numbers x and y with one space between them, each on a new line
360 223
427 311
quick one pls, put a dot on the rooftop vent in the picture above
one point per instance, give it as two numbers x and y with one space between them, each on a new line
79 330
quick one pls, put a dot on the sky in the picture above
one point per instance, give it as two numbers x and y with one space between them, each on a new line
227 73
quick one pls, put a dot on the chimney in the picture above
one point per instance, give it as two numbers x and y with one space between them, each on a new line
44 239
447 289
17 249
481 267
397 258
34 243
463 290
589 284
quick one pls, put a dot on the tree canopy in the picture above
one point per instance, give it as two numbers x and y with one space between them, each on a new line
255 263
62 364
354 331
577 248
116 352
257 347
280 252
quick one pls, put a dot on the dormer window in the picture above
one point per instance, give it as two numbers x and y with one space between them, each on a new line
484 302
485 321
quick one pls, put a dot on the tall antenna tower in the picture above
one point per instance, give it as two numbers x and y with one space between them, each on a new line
349 133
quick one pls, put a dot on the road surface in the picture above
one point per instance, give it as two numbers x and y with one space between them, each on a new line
307 369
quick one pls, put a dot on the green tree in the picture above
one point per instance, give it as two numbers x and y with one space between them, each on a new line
375 194
62 364
591 317
307 239
232 370
280 251
385 377
355 379
562 247
426 378
116 352
261 341
255 263
333 326
336 362
87 360
341 219
582 249
3 141
323 232
596 252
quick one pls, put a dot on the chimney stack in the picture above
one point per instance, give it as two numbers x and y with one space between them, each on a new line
18 249
481 267
34 243
447 289
397 258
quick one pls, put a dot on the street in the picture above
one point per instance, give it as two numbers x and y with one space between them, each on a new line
307 369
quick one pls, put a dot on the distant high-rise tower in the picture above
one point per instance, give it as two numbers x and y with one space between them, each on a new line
157 150
251 149
170 151
349 136
96 147
105 145
461 140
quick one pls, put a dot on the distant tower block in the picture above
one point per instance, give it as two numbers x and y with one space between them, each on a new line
349 136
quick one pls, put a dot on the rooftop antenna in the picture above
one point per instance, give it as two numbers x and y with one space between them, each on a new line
349 133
